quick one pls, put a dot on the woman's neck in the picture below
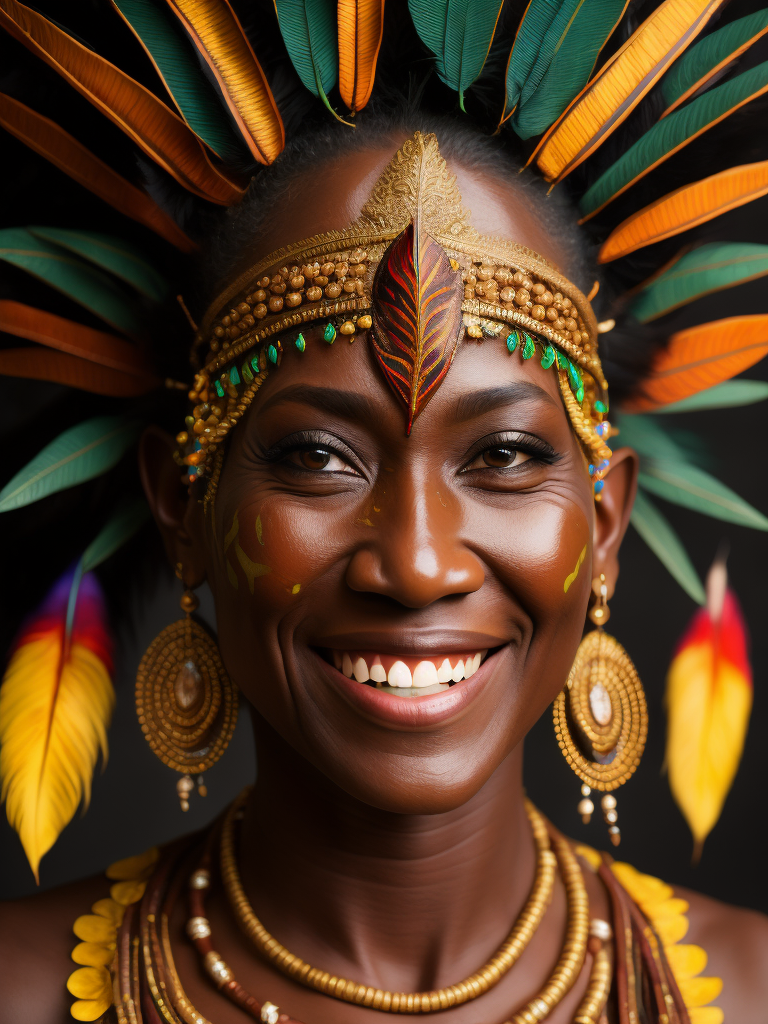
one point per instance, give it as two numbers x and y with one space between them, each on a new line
408 902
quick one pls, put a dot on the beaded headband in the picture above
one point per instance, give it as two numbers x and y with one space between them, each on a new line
413 273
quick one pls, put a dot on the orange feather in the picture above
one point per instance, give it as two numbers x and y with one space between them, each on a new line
699 358
71 157
56 701
221 42
620 85
139 113
361 27
709 699
686 208
73 372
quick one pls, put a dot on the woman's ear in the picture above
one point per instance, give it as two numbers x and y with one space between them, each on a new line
612 514
170 504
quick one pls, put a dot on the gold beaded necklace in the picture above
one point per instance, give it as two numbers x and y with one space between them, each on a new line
453 995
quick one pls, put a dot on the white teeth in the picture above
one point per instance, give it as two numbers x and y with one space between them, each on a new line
337 659
378 675
361 671
458 671
425 674
469 668
399 675
346 666
445 672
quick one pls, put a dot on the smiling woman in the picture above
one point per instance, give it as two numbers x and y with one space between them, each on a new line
401 485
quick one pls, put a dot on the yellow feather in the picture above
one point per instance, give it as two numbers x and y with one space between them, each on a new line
53 723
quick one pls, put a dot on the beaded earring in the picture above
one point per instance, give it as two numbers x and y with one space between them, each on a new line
601 716
185 701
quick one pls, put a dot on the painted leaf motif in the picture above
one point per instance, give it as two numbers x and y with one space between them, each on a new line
71 157
700 272
175 62
709 56
620 85
417 319
360 28
686 208
727 395
670 135
655 530
700 357
135 110
569 50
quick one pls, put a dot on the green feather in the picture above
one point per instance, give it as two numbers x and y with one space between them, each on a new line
691 487
79 454
119 257
666 545
459 33
79 281
310 33
538 17
672 133
700 272
118 531
721 396
177 64
718 46
565 61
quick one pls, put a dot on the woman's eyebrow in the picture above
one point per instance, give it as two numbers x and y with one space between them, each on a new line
348 404
478 402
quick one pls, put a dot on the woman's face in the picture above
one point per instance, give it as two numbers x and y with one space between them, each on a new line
339 543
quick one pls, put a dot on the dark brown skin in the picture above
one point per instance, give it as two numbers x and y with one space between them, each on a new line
397 854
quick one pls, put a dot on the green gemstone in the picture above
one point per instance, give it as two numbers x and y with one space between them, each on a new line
255 364
529 348
329 334
219 389
246 372
234 376
513 339
601 407
272 354
549 357
301 343
580 395
574 376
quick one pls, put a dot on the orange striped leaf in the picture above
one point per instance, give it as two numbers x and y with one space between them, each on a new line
686 208
73 372
139 113
620 85
361 26
71 157
221 42
700 357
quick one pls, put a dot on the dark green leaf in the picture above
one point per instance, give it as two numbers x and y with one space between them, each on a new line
722 396
118 531
178 66
80 453
113 254
687 485
79 281
648 437
525 51
706 269
310 34
666 545
672 133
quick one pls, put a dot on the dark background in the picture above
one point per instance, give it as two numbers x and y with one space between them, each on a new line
134 800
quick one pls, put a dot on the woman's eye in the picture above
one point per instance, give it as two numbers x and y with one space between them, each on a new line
319 459
500 457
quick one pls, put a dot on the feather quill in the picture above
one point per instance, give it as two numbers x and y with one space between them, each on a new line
700 357
709 699
71 157
686 208
135 110
669 136
621 84
56 701
219 38
360 30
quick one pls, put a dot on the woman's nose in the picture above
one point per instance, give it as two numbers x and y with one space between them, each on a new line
416 554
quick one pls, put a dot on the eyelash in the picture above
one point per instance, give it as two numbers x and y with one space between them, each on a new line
538 450
308 440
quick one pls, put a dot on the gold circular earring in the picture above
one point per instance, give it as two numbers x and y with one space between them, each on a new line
601 716
185 701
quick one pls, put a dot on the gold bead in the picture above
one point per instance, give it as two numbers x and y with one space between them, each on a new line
275 304
314 294
293 299
347 327
538 312
474 331
364 322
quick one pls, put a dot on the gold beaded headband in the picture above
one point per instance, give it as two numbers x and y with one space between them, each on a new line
414 273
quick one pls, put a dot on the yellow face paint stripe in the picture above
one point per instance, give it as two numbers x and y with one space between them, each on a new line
569 579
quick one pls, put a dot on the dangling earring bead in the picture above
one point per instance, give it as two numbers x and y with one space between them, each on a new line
586 808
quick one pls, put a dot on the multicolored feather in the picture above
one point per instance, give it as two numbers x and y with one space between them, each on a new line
138 112
218 36
71 157
686 208
620 85
417 319
360 29
709 699
56 701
